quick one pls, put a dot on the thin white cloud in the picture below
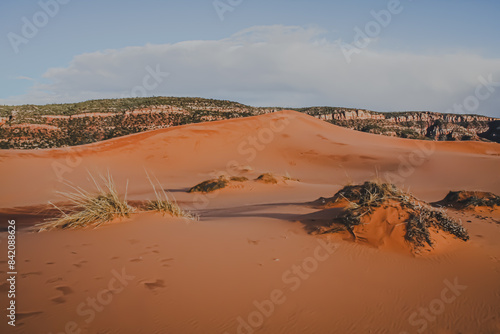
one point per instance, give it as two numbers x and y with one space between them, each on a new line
274 66
22 77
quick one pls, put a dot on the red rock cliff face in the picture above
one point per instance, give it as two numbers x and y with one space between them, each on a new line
431 117
423 124
344 115
493 132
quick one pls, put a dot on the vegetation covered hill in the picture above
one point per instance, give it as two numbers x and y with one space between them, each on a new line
59 125
123 105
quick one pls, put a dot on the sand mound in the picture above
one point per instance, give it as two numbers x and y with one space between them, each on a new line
267 178
310 149
225 181
215 184
384 216
470 200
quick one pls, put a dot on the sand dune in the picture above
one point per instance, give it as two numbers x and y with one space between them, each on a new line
250 265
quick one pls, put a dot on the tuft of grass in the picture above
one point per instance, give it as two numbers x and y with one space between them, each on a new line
267 178
163 204
362 199
287 177
210 185
90 209
93 209
239 178
468 199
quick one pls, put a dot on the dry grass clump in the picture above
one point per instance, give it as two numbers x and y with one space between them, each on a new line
239 179
164 205
88 209
287 177
223 181
363 199
93 209
267 178
210 185
215 184
470 199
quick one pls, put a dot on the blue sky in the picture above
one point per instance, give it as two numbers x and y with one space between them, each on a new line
430 55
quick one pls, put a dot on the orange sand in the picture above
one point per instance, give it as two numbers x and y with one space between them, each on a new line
249 266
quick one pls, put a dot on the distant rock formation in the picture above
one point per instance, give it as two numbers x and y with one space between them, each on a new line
493 133
59 125
412 124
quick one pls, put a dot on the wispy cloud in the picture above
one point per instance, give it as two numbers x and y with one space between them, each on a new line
21 77
275 66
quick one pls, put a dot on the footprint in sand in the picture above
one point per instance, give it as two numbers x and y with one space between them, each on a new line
136 259
154 284
115 258
133 241
165 262
148 252
24 315
53 280
65 290
31 274
253 242
49 263
58 300
79 264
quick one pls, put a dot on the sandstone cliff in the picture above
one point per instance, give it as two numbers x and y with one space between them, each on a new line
413 124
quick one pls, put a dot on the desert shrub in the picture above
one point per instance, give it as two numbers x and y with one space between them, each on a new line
163 204
372 128
287 177
362 199
467 199
210 185
239 178
267 178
